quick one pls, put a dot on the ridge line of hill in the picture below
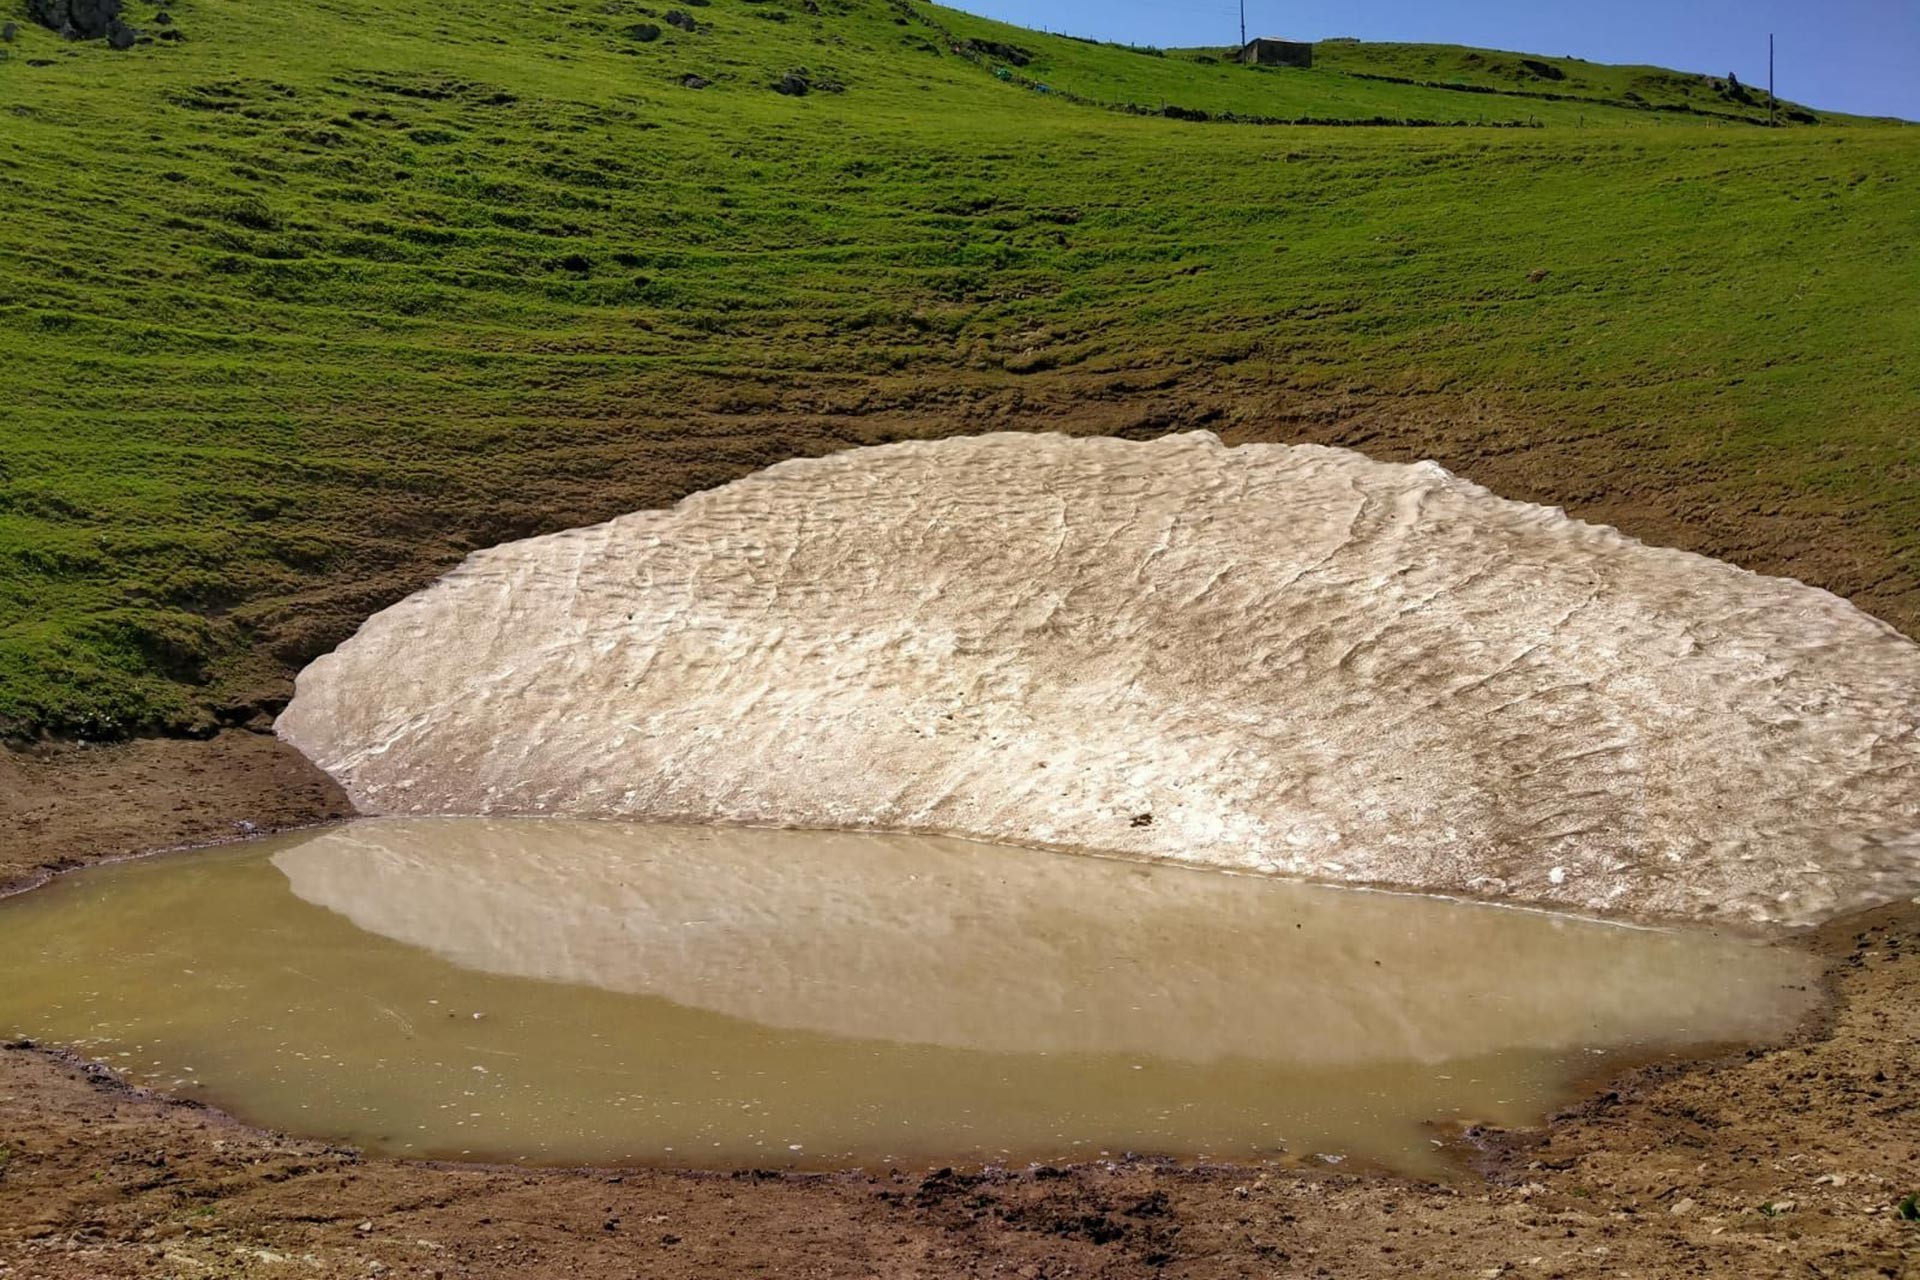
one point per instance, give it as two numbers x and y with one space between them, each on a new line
964 49
1795 114
1126 77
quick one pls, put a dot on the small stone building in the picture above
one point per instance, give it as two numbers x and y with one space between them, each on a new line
1266 52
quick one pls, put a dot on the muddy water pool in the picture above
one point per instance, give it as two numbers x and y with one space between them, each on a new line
566 991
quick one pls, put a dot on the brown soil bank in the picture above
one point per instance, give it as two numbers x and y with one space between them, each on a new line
65 805
1661 486
1789 1162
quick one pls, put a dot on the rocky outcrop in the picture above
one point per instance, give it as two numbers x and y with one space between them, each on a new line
83 20
1012 54
1292 660
799 82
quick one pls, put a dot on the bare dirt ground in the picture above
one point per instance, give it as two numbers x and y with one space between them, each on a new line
65 805
1789 1162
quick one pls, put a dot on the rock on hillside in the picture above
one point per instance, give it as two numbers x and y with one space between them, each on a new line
83 20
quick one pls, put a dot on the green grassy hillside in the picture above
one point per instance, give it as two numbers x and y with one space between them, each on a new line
1355 81
296 308
1573 80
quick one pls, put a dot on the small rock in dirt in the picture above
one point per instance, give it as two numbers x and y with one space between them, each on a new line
1681 1206
794 84
692 81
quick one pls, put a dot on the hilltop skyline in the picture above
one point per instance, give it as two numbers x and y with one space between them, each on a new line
1857 56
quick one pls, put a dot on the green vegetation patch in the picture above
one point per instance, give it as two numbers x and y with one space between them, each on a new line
315 296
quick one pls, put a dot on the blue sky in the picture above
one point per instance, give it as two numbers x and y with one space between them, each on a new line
1843 55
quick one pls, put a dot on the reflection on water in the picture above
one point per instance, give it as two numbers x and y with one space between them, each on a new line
575 991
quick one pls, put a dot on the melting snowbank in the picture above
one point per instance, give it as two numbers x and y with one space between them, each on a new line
1291 659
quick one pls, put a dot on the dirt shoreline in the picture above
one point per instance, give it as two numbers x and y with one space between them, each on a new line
1661 1171
65 805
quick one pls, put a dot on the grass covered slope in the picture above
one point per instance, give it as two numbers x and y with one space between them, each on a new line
1354 81
297 309
1574 80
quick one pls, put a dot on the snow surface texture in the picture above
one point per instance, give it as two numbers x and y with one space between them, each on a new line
1282 658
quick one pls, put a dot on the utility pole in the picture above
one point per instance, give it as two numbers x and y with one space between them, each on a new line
1773 103
1243 24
